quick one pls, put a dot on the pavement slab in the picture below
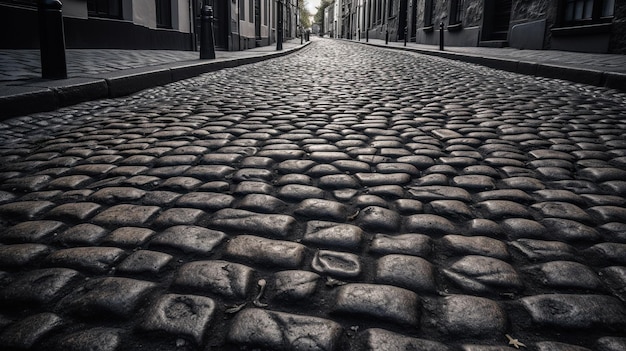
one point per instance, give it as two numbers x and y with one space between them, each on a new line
342 197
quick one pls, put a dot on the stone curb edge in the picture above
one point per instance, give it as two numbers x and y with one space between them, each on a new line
44 96
612 80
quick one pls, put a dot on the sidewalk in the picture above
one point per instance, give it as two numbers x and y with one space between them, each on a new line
96 74
604 70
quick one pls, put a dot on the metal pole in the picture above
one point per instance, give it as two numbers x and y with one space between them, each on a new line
386 35
207 44
406 32
367 35
51 39
279 25
441 36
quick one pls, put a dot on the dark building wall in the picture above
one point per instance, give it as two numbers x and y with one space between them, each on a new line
617 43
21 23
533 24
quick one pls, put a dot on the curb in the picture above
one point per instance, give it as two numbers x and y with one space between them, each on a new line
611 80
49 95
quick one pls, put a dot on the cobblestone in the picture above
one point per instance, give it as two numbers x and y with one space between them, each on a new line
186 315
384 340
220 277
386 302
27 332
112 296
264 251
570 311
283 331
102 339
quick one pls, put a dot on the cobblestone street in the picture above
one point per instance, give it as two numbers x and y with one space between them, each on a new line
344 197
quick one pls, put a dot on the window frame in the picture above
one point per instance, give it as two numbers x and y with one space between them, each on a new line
456 12
164 18
596 7
105 11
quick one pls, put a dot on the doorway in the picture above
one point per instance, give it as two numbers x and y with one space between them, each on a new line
497 20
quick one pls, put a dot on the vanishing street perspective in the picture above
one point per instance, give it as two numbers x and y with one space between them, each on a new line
313 175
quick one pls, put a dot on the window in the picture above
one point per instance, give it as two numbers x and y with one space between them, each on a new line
251 8
390 8
242 10
587 11
456 11
105 8
164 13
428 13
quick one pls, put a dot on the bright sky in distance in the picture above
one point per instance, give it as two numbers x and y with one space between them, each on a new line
311 6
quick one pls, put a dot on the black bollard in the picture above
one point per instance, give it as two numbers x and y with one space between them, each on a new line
367 35
359 35
302 36
386 36
406 32
51 39
441 36
207 43
279 26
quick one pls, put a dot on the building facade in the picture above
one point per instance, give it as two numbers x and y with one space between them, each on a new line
151 24
597 26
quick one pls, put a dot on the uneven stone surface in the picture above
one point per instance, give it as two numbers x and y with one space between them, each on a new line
343 197
186 315
379 301
283 331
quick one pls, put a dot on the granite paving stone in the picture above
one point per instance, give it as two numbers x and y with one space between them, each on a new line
484 274
31 231
266 252
385 302
565 274
189 239
144 261
466 315
335 263
129 236
100 338
572 311
228 279
25 209
333 234
28 331
609 343
126 215
376 218
113 296
407 244
410 272
273 225
283 331
187 315
294 285
91 259
21 255
384 340
322 210
474 245
38 286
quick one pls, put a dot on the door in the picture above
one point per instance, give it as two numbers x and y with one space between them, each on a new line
257 20
497 20
402 16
